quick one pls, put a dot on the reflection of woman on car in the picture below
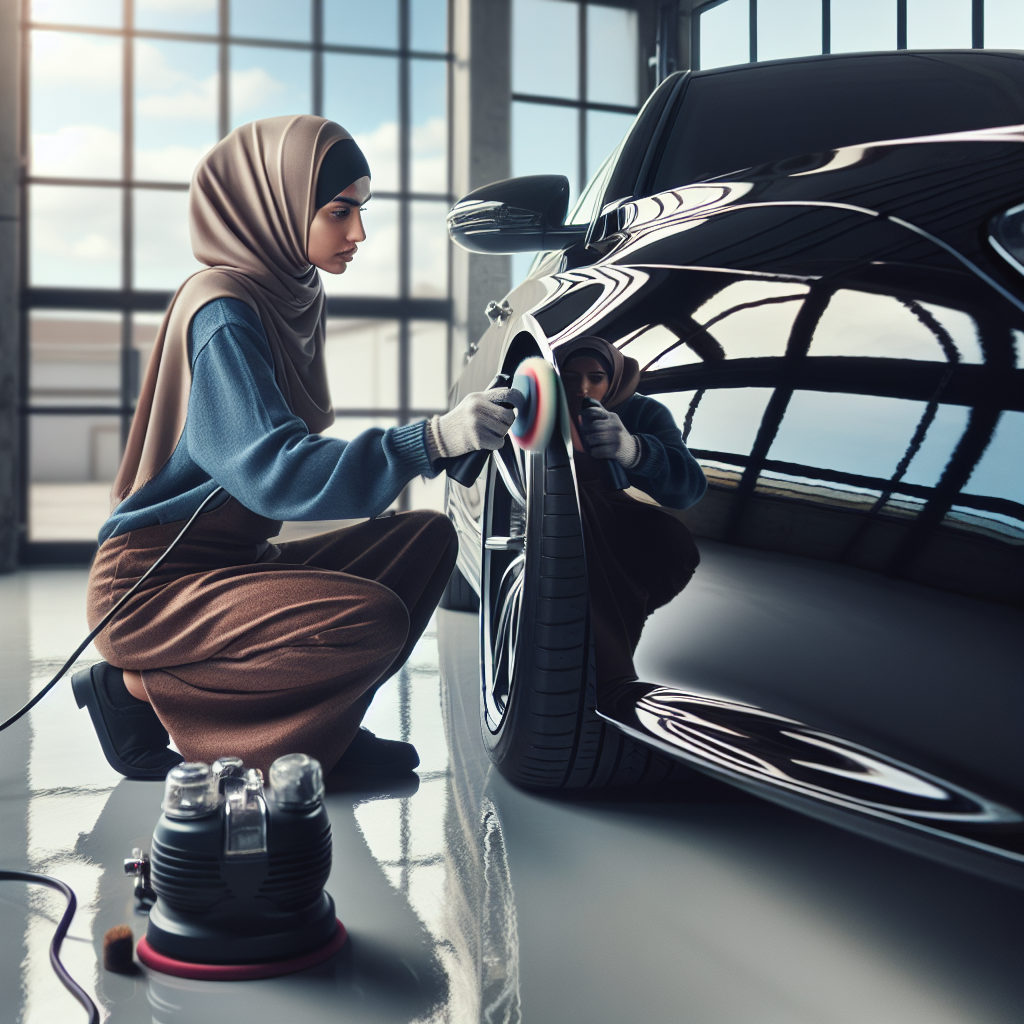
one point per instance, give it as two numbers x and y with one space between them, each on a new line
639 556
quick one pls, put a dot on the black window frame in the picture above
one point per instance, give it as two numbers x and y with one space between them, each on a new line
127 300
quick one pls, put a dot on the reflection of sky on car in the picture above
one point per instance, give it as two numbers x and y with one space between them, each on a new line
866 435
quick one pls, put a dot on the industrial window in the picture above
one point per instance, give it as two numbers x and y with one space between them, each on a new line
121 98
575 89
741 31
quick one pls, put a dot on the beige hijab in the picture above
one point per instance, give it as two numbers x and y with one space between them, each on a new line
250 207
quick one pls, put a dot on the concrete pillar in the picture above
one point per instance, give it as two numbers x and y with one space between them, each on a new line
9 333
481 150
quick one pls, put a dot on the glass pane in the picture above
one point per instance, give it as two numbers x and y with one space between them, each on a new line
362 363
268 82
1000 471
74 358
545 48
428 25
175 107
428 365
1004 24
428 250
163 250
429 142
545 141
348 427
604 132
424 493
863 25
932 24
611 55
356 23
788 28
374 271
725 35
72 462
75 236
75 105
271 19
370 113
105 13
177 15
862 434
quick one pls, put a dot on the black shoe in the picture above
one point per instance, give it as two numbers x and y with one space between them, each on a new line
369 755
133 740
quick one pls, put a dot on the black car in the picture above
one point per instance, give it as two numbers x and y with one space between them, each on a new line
818 265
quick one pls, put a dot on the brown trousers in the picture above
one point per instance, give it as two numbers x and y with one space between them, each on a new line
257 651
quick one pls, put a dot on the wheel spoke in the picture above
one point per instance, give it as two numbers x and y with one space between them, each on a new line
507 461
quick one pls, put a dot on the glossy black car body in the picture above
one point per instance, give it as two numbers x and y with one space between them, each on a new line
839 332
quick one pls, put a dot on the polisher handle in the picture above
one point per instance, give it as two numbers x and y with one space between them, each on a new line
464 469
617 478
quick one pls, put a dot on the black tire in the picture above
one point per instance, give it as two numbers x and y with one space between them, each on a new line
458 595
536 655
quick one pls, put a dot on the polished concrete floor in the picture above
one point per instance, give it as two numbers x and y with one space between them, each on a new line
469 900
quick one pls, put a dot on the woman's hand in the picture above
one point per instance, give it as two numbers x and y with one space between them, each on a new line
480 420
606 437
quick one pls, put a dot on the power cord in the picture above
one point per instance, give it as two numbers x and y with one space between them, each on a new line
33 877
58 936
104 622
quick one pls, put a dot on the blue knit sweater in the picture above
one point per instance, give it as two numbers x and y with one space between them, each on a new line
240 434
666 470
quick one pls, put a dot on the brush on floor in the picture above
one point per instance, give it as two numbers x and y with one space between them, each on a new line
118 945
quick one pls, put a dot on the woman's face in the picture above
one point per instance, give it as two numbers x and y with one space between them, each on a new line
584 377
337 229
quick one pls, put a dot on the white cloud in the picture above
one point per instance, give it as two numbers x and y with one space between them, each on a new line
82 150
381 150
169 163
75 236
71 60
251 88
170 94
429 146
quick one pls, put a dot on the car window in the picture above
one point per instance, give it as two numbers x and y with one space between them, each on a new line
586 207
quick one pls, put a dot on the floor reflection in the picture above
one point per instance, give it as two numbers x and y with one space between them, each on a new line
469 900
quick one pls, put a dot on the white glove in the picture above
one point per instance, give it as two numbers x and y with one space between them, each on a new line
480 420
607 438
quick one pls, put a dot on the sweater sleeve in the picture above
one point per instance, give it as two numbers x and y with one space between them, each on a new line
666 470
240 430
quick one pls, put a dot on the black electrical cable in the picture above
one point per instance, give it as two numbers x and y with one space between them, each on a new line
58 936
113 611
55 883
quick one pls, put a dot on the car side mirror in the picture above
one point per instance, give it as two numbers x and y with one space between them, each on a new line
516 215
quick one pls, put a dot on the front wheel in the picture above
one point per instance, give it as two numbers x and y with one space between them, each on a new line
536 661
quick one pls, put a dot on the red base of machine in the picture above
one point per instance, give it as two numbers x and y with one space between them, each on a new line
239 972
